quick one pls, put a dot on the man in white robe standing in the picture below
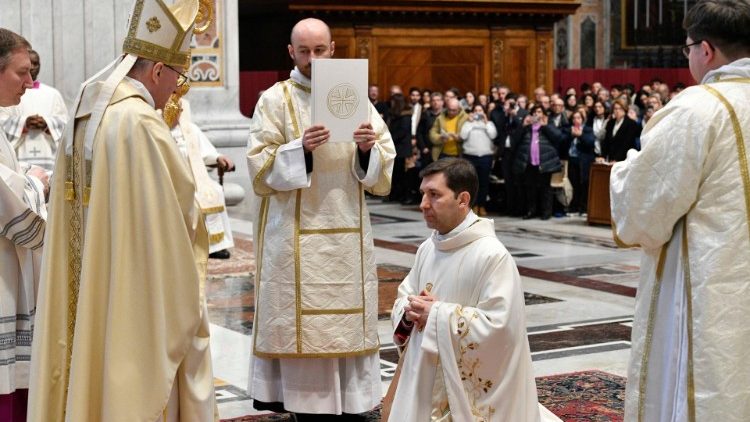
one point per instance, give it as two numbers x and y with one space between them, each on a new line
34 127
685 200
22 226
315 338
200 153
461 315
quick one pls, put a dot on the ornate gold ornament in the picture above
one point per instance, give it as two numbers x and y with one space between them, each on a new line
172 109
153 24
205 16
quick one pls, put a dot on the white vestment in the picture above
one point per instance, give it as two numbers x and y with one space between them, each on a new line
472 360
22 225
315 340
217 219
36 146
685 199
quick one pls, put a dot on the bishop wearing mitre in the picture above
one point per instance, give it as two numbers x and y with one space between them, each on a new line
121 324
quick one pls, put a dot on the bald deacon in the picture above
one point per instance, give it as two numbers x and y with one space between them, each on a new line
315 339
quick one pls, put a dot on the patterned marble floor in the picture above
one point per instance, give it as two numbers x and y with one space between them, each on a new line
579 290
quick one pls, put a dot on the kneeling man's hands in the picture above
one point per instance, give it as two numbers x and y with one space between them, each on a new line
418 309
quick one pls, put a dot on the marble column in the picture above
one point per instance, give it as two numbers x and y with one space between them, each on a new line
215 93
77 38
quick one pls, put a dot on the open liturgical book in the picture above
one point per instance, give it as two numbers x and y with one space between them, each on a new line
339 96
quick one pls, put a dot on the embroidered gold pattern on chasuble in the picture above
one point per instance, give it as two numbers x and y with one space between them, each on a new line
468 365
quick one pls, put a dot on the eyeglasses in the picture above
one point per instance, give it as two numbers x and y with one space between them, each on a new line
686 48
182 78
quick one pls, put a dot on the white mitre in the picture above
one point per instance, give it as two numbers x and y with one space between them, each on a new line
157 32
161 33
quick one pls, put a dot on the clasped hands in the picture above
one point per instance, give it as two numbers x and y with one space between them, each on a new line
318 135
418 308
35 122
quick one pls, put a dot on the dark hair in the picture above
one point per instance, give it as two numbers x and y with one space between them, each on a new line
723 23
460 175
585 87
414 88
478 104
9 43
533 109
455 91
398 106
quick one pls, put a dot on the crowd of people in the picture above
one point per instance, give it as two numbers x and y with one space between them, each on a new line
517 140
119 321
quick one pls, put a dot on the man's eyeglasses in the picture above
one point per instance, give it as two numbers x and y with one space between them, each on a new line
686 48
182 78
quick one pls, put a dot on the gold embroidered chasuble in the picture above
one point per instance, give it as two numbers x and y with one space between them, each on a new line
316 280
685 199
120 303
472 360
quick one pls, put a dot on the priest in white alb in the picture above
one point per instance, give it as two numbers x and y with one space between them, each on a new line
315 336
122 314
34 127
199 152
22 226
460 313
685 200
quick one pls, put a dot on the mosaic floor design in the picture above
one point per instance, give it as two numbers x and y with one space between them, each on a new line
579 239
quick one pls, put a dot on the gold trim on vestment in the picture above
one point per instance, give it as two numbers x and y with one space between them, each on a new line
258 177
340 230
333 311
362 261
215 238
155 52
740 142
650 331
689 299
263 217
317 355
300 86
738 80
75 247
290 106
297 269
212 210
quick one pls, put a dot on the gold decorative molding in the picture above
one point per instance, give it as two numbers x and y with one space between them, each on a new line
497 63
542 63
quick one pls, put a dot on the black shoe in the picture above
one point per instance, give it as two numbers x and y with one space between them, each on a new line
222 254
528 216
545 217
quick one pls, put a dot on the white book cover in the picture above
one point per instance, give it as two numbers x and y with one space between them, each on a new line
339 96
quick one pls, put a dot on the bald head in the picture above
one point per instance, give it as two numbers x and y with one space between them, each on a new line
310 39
307 28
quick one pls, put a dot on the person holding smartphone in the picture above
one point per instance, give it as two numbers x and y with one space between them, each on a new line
478 134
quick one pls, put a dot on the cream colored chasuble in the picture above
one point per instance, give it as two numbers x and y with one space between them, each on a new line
121 303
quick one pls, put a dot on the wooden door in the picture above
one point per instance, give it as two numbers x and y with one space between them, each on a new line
437 68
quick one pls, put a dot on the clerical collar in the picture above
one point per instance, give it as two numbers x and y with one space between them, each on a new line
141 90
301 79
470 219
